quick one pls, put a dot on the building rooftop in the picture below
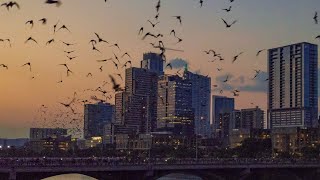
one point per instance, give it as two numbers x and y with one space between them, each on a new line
293 44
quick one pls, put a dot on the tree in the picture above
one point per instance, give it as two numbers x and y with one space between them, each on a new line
254 148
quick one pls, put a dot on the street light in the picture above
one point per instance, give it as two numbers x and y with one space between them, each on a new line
150 148
197 147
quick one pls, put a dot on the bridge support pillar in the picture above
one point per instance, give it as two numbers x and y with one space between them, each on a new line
245 173
12 175
149 173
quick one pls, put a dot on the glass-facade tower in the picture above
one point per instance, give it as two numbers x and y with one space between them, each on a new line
293 86
220 105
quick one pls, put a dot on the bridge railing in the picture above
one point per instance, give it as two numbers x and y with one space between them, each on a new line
92 162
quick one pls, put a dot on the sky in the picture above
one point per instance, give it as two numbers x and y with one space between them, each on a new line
260 25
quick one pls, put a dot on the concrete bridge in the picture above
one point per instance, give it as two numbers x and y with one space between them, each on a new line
207 169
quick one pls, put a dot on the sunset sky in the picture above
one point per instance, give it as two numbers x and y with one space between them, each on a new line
262 24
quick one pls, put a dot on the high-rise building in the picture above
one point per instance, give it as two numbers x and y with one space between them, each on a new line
135 115
108 133
239 122
119 107
136 107
220 105
175 113
144 85
225 122
293 86
201 96
42 133
96 116
153 62
236 119
252 118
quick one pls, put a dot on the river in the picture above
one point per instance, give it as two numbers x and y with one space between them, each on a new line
82 177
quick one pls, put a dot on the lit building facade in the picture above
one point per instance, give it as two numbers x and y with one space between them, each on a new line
224 128
144 85
220 105
201 93
252 118
131 114
293 139
42 133
175 113
119 107
236 119
136 107
237 125
96 116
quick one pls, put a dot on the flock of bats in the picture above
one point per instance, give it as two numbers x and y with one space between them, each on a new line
70 112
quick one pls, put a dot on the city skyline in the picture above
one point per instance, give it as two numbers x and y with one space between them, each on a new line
255 30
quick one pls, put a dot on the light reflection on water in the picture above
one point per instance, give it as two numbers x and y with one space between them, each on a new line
70 177
179 177
83 177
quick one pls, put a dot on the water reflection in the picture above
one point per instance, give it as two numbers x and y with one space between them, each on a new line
179 177
70 177
83 177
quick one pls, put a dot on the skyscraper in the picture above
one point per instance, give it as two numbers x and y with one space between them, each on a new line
220 105
201 93
96 116
119 107
144 85
131 114
153 62
293 86
136 107
175 111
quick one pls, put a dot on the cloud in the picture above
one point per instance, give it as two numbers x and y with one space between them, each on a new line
259 84
246 84
178 63
243 83
222 85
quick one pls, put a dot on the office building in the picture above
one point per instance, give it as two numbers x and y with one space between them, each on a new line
130 113
13 142
175 113
54 143
119 107
293 139
96 116
93 142
252 118
42 133
134 115
153 62
237 136
201 94
237 125
236 119
136 107
220 105
144 85
223 130
293 86
108 134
